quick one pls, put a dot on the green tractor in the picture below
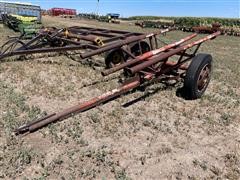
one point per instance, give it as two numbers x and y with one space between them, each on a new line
28 26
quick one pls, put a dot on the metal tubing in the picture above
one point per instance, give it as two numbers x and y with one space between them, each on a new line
25 127
25 46
45 50
84 46
166 55
173 64
118 37
79 108
146 55
120 43
27 49
97 33
81 37
98 29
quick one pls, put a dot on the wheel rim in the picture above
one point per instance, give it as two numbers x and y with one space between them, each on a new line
204 77
116 59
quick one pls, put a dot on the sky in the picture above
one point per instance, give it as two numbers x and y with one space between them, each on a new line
197 8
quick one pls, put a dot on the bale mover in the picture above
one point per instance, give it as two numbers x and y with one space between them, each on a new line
136 54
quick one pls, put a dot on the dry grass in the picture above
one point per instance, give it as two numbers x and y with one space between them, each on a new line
161 136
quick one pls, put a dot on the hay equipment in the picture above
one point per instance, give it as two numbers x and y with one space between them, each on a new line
146 64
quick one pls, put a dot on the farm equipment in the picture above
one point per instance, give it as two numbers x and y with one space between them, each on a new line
205 29
19 8
155 24
63 12
116 45
28 26
89 16
229 27
113 18
153 65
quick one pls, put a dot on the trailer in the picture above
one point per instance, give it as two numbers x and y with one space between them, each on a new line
63 12
115 45
145 64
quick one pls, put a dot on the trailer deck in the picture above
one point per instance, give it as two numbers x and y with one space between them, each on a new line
94 41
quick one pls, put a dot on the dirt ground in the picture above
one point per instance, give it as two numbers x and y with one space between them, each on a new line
159 136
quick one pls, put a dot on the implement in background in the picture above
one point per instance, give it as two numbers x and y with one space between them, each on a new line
22 9
28 26
116 45
22 17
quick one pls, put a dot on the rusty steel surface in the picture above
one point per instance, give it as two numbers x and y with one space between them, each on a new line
145 70
30 127
146 55
94 40
121 43
166 55
203 78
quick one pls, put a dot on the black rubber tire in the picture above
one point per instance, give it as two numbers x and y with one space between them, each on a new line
114 57
191 89
135 50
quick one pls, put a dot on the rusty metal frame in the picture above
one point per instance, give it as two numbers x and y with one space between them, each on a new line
93 40
148 67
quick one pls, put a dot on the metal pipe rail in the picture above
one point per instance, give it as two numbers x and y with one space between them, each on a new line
48 36
33 126
146 56
166 55
121 43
